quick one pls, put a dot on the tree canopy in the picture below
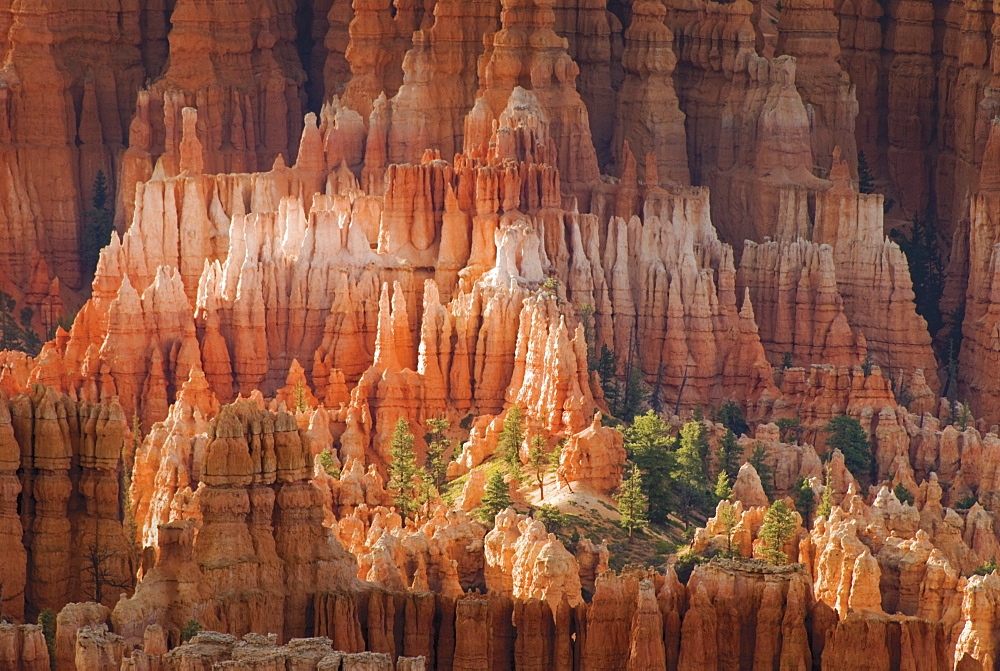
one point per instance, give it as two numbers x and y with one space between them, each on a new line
632 502
649 445
846 434
495 499
777 529
404 475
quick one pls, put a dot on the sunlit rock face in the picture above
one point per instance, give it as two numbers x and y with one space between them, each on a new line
340 224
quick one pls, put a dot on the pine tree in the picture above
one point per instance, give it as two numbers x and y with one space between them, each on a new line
190 630
689 473
17 334
635 395
903 493
964 419
47 619
758 459
866 181
805 500
99 224
328 464
826 498
511 439
649 445
538 461
727 517
723 488
778 527
632 502
729 454
731 416
404 476
927 267
788 428
847 435
606 366
439 450
495 499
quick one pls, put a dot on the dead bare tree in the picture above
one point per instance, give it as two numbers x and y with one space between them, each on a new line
98 563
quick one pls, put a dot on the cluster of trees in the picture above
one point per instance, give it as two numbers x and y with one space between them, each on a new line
847 435
17 333
540 458
414 485
666 474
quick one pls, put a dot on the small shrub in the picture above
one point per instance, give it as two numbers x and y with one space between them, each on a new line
731 416
550 285
967 502
685 564
987 568
47 618
190 630
903 494
326 461
964 418
663 547
550 516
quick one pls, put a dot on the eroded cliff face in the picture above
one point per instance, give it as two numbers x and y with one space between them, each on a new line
332 216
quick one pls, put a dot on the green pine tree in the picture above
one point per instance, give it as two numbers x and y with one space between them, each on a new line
17 333
758 459
190 630
723 487
635 395
301 405
903 493
511 439
439 450
788 428
927 266
495 499
777 529
689 472
729 454
731 416
846 434
633 504
328 464
826 499
649 446
606 367
805 499
727 517
47 618
964 418
404 476
99 223
866 180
